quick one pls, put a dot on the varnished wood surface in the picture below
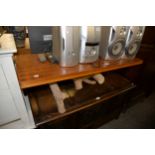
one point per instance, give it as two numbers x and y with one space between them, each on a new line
31 72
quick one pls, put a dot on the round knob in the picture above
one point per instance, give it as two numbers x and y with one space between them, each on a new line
93 52
73 53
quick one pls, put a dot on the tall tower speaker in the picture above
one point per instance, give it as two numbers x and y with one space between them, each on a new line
66 45
90 40
133 41
112 44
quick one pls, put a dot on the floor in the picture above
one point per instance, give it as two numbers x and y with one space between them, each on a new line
139 116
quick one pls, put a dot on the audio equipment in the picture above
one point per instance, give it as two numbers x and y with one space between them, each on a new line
40 38
112 44
66 45
133 41
90 40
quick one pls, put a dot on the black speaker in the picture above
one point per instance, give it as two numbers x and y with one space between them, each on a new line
40 38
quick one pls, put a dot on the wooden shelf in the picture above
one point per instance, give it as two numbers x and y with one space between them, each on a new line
89 96
31 72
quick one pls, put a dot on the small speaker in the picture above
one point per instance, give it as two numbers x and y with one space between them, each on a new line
66 45
40 39
133 41
90 40
112 44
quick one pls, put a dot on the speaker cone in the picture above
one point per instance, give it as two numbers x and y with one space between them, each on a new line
132 49
116 49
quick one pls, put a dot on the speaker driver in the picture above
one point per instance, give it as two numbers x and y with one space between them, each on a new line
116 49
132 49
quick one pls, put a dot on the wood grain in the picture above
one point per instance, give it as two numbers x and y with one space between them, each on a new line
31 72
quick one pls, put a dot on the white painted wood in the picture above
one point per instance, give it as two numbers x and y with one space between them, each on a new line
30 115
8 111
10 74
18 124
15 112
12 104
3 81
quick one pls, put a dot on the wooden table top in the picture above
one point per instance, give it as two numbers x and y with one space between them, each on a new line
31 72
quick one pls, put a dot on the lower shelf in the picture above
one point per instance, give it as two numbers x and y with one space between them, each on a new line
44 106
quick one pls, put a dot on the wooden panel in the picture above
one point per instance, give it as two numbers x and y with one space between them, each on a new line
31 72
148 37
8 111
15 101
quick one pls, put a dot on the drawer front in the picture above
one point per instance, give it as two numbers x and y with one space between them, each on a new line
8 111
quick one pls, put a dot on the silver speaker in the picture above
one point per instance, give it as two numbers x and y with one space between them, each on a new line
66 45
90 38
112 44
133 41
